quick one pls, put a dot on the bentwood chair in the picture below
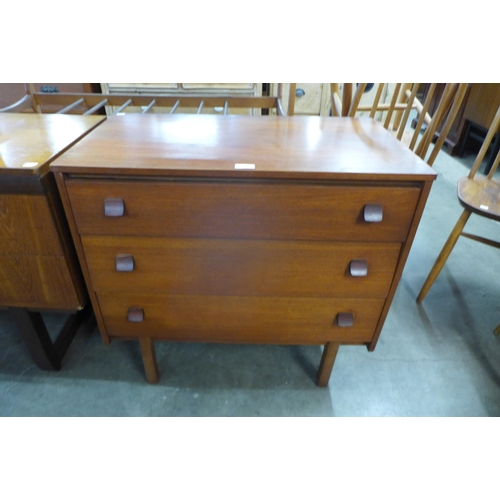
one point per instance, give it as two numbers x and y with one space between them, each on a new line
395 113
478 194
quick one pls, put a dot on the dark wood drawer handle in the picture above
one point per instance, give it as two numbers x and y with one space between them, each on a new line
124 263
345 320
373 213
114 207
358 267
135 314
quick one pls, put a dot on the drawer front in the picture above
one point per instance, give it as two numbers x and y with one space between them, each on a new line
240 319
308 98
243 210
36 281
238 267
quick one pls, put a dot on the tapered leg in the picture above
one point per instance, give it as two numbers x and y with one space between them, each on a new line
497 330
445 253
149 359
37 339
45 353
326 364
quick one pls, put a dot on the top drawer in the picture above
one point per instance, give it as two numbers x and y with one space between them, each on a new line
243 210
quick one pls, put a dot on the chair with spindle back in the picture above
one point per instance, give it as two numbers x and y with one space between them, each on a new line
394 115
478 194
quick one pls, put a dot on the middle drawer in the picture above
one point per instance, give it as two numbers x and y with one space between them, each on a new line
241 267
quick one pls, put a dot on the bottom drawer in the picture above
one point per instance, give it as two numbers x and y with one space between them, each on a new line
240 319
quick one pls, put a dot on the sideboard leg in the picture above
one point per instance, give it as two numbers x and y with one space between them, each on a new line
327 360
37 338
149 359
45 353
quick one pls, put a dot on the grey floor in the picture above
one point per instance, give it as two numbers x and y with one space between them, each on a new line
437 359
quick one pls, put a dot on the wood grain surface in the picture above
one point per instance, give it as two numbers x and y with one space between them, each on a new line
480 195
26 226
247 210
284 147
239 267
38 282
240 319
30 141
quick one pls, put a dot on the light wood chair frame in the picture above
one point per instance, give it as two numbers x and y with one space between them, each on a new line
478 194
396 113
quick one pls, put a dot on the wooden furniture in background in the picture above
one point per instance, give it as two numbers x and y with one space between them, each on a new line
478 195
230 90
315 98
305 98
478 116
16 97
242 229
185 103
453 137
39 269
475 115
395 114
482 103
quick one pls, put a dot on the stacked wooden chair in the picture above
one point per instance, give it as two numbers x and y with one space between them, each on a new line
395 114
478 194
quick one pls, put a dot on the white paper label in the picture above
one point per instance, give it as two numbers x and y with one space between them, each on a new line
484 207
244 166
30 164
120 114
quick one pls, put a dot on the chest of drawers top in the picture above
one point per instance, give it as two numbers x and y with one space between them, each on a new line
298 147
28 142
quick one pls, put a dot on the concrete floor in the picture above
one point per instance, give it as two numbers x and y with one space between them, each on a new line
437 359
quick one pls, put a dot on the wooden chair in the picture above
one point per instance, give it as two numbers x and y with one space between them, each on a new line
478 194
394 115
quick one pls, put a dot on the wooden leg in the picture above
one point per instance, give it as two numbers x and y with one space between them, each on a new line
70 328
149 359
37 339
443 256
327 360
45 353
497 330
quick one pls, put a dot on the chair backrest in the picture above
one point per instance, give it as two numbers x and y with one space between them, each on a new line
492 131
395 112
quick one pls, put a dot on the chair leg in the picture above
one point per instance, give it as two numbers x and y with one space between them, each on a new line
445 253
497 330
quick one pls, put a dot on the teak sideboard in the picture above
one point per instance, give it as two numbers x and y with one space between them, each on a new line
277 230
39 268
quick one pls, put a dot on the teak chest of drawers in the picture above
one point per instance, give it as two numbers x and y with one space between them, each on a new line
242 229
39 268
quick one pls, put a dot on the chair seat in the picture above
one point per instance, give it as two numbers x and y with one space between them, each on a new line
480 195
